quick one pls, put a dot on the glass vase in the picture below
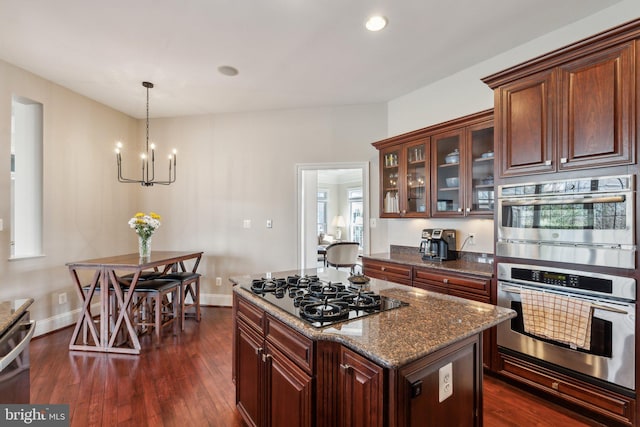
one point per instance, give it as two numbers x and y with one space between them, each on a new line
144 247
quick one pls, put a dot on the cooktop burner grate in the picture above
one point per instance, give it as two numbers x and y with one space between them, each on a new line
319 302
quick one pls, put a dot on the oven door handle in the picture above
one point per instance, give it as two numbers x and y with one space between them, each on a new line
13 354
551 201
598 306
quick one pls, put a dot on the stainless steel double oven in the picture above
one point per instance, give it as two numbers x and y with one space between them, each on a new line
582 221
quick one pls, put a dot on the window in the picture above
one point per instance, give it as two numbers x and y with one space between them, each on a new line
356 224
323 196
26 178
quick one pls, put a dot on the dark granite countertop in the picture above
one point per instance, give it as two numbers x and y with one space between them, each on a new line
469 263
396 337
8 315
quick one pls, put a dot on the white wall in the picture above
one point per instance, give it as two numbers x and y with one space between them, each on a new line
464 93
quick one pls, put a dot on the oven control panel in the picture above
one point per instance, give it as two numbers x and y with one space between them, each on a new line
571 280
562 279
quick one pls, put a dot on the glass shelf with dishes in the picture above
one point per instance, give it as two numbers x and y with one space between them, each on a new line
482 189
405 179
446 155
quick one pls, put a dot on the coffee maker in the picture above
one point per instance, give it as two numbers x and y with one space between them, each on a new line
438 244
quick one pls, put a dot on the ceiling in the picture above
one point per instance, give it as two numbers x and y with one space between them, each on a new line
289 53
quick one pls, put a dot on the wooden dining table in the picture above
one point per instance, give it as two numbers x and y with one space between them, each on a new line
112 330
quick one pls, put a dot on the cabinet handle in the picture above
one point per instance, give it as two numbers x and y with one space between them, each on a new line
555 385
547 162
383 268
346 368
563 160
266 357
468 209
459 209
445 280
258 351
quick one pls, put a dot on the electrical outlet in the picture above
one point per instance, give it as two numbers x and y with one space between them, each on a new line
445 388
269 223
62 298
218 281
246 223
472 238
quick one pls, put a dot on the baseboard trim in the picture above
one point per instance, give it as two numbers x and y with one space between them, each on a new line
63 320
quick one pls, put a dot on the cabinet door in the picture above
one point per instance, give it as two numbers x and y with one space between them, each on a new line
361 391
448 174
390 182
524 125
416 174
249 373
479 183
289 391
598 110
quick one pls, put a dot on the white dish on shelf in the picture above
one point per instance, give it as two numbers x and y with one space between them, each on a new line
452 182
487 155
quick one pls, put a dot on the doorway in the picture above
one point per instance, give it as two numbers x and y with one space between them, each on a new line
332 199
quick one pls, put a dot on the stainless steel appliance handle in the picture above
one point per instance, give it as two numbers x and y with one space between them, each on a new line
13 354
598 306
536 202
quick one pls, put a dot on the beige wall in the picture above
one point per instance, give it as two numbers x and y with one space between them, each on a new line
84 207
231 167
234 167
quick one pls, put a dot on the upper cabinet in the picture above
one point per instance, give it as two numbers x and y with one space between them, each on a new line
441 171
571 109
462 171
405 179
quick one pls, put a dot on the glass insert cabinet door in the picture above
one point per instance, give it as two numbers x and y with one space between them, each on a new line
448 172
390 180
416 178
481 185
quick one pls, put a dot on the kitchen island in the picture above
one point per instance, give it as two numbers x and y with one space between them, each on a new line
418 364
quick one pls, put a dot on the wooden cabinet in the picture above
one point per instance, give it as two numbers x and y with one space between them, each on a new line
273 365
416 181
361 391
459 285
605 403
571 109
404 179
419 400
389 271
462 171
284 378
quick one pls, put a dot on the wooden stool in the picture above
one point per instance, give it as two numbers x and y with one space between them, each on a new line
189 286
152 308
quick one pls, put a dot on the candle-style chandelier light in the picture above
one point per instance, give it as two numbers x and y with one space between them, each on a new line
148 177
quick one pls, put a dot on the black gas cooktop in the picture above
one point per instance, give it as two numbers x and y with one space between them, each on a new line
319 302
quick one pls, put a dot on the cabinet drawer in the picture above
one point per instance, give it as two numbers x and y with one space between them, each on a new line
603 402
251 314
295 345
465 284
392 272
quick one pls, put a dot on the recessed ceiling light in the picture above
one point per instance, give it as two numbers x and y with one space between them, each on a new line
376 23
228 70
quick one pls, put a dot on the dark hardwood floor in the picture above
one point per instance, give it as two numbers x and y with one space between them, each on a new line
187 382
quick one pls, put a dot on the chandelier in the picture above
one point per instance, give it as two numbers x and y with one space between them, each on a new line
148 177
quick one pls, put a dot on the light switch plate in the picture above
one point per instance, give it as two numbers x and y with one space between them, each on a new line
1 224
